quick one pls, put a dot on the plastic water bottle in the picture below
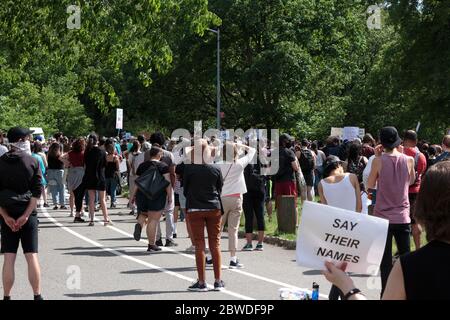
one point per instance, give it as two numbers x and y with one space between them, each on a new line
315 292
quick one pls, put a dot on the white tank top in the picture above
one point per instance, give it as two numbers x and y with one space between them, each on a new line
340 194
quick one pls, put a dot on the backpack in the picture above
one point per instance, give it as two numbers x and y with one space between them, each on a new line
152 183
357 168
306 160
255 182
416 163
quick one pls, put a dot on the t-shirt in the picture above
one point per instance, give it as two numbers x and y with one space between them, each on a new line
55 163
421 167
285 171
162 167
3 150
367 151
76 159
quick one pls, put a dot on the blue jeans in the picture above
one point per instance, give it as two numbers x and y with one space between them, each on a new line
111 188
56 185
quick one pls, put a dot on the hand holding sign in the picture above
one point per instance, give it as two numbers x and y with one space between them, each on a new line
332 234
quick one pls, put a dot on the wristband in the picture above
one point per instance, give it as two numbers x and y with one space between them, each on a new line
351 293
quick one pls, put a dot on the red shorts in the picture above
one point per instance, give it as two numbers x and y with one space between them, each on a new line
285 188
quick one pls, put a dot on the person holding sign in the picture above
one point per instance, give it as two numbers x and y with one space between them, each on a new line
341 190
410 278
392 173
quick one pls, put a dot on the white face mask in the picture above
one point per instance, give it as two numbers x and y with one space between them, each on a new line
25 146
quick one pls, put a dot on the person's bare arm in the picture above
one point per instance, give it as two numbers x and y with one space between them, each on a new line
295 165
374 173
321 194
337 276
168 177
355 183
173 176
24 217
8 220
395 287
412 171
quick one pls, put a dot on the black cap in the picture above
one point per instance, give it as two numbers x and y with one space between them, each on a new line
286 137
17 133
389 138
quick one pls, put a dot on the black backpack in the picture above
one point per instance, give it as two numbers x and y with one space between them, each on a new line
255 182
152 183
306 160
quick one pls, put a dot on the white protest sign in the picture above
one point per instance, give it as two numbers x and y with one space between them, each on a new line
350 133
123 166
119 119
337 132
362 132
332 234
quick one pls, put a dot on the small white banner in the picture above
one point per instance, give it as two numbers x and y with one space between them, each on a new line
332 234
119 119
350 133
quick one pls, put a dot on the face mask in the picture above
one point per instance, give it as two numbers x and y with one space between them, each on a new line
25 146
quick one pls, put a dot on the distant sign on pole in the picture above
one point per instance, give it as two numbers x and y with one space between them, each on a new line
332 234
418 126
350 133
119 119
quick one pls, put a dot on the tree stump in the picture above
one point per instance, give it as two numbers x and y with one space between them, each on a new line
287 215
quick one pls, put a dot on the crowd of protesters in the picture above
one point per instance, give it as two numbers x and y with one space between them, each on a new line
384 178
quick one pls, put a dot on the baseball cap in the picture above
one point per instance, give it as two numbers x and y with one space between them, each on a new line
17 133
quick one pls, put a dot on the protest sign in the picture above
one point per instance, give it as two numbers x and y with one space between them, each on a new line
350 133
119 119
337 132
123 166
332 234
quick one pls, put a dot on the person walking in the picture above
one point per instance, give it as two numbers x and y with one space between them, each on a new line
392 173
150 210
94 180
111 173
356 162
202 187
135 151
307 160
75 161
320 161
36 153
55 175
20 190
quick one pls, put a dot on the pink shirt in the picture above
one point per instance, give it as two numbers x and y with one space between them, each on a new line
392 191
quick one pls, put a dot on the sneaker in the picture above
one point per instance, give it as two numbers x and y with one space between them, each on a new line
91 224
259 247
131 213
197 287
174 236
137 232
209 262
171 243
190 249
55 208
153 248
46 205
113 206
108 223
38 297
219 285
78 220
159 243
63 208
236 265
248 247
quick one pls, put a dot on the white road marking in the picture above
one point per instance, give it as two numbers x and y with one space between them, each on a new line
252 275
125 256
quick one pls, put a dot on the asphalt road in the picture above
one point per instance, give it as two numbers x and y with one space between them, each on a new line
81 262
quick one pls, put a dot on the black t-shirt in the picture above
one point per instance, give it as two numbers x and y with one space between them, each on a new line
162 167
285 171
55 163
20 173
426 272
95 162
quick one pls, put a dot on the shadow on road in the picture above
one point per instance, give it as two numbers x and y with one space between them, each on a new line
120 293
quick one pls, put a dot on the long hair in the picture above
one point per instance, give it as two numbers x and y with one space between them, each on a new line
55 150
92 141
354 151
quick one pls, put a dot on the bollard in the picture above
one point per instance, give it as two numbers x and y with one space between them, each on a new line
287 215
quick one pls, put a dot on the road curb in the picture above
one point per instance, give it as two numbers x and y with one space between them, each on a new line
287 244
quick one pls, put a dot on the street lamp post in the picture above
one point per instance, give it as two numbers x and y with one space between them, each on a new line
218 75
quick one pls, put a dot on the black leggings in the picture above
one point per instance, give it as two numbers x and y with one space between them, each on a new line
79 195
401 233
253 205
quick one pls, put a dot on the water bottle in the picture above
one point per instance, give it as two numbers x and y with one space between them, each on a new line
315 292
